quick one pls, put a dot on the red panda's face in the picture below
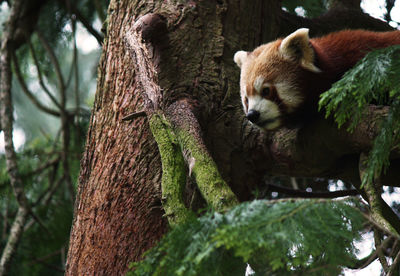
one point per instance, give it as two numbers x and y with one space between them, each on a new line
269 81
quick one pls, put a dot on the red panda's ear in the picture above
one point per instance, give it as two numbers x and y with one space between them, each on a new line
297 47
240 57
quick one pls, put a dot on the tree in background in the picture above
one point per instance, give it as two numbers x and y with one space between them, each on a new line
46 86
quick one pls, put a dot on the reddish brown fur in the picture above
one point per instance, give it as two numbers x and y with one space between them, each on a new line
334 55
338 52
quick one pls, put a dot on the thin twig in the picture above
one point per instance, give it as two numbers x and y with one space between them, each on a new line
56 64
395 249
134 115
43 167
52 183
87 25
379 250
5 219
366 261
394 267
100 12
317 200
73 10
376 225
65 122
14 237
76 67
40 77
39 222
46 198
48 256
27 92
54 267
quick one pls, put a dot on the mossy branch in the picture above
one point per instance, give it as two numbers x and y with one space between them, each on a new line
173 170
214 189
209 181
212 186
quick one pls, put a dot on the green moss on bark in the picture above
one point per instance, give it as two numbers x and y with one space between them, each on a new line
214 189
174 144
173 170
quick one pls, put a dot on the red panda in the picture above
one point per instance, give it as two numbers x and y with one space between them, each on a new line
281 81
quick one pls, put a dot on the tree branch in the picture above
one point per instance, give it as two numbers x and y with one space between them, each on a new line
305 194
71 9
28 93
389 7
14 237
379 250
51 266
173 166
5 219
41 82
65 122
395 265
6 117
340 16
57 69
385 218
88 26
173 170
366 261
214 189
43 167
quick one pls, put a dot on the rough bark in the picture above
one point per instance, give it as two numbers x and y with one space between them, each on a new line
118 212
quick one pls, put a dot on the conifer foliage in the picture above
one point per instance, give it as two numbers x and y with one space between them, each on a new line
276 237
374 80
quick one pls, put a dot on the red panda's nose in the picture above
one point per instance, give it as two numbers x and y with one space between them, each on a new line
253 116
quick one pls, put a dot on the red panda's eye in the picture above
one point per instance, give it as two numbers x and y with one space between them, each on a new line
265 92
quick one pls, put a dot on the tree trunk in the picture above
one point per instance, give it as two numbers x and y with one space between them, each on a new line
193 90
117 211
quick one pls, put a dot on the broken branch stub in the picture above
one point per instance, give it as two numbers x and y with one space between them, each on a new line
139 41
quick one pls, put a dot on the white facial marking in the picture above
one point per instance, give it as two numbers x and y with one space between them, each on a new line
289 94
268 111
258 83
